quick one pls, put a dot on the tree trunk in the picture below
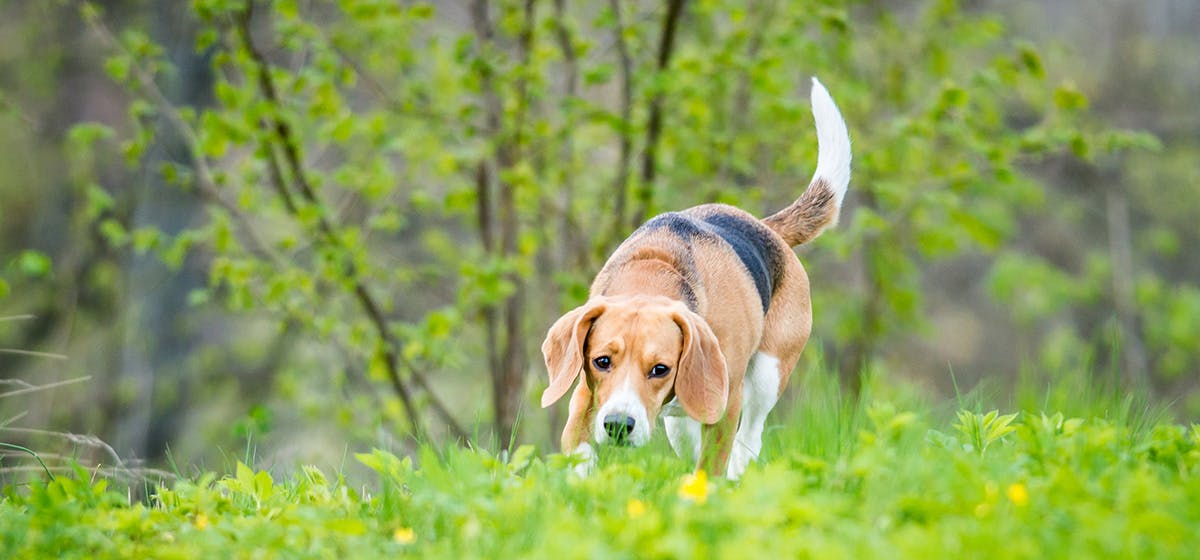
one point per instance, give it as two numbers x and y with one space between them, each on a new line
505 322
155 340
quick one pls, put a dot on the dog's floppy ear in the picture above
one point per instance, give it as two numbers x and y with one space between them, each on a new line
563 349
701 379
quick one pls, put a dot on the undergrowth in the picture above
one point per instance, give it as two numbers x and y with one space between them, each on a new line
890 477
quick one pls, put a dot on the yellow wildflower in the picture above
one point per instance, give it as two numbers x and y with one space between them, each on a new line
201 521
1018 494
694 487
635 508
404 535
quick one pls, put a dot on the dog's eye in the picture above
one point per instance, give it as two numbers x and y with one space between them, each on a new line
602 363
659 370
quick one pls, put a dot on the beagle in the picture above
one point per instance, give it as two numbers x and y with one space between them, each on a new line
700 317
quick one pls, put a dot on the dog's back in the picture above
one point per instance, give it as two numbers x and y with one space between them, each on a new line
689 238
739 298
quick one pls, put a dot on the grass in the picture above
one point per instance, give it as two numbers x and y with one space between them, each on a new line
893 477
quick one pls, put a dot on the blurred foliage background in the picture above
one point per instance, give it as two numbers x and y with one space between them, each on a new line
304 227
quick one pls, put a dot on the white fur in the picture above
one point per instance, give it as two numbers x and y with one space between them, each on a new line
683 431
585 451
833 143
760 392
673 408
624 400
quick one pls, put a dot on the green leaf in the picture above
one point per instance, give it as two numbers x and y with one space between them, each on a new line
88 133
146 239
1031 61
197 297
521 458
421 10
347 526
982 430
598 74
118 68
114 232
34 264
1069 98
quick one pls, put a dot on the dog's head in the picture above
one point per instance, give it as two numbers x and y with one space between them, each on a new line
636 352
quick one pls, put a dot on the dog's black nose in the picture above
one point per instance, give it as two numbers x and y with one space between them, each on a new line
619 427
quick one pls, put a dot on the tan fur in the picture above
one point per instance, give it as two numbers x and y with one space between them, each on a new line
637 315
688 292
808 216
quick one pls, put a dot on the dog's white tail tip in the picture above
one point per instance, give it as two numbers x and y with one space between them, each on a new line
833 140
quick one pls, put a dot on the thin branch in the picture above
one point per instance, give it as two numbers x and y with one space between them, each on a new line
25 317
286 138
205 182
36 388
7 104
373 84
275 177
13 418
32 353
666 47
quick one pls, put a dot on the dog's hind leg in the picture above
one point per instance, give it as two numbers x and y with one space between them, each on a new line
760 392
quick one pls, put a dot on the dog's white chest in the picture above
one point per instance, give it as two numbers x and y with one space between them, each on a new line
673 409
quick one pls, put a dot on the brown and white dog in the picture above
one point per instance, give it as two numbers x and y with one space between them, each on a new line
699 315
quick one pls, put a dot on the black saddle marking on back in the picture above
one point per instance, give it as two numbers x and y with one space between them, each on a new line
750 240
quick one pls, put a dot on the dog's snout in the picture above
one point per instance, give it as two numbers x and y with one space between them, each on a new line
619 427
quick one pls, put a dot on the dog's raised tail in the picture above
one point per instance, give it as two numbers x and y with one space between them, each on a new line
819 206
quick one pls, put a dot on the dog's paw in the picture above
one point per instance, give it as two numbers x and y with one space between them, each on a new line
585 452
739 459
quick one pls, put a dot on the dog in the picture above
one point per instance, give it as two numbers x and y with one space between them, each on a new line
698 316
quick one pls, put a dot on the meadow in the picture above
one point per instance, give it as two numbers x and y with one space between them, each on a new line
251 235
891 476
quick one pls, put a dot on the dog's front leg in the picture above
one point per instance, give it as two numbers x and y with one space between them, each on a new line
577 434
